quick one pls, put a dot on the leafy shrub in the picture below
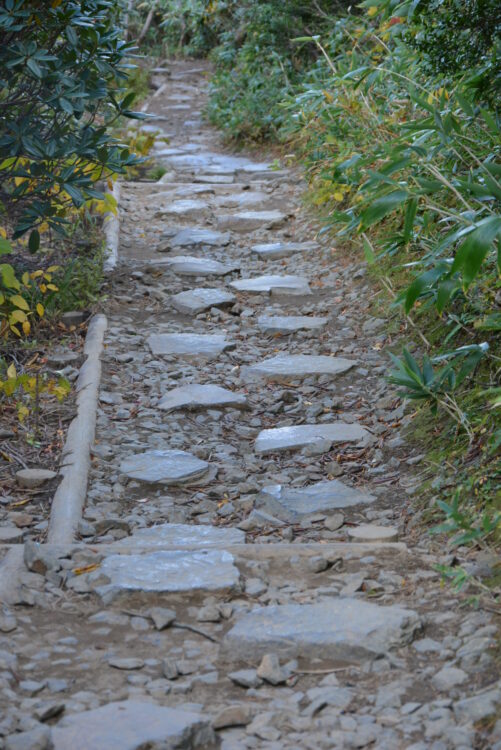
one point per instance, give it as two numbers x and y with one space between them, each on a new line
63 71
459 39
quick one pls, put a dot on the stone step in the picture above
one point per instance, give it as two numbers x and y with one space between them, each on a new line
131 725
249 221
297 366
341 630
169 467
273 285
188 265
276 250
290 323
197 301
196 396
316 436
189 345
294 504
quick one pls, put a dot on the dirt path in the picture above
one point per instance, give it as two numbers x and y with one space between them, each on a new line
247 575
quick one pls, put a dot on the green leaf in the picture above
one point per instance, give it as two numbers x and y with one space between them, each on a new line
34 241
475 248
369 255
32 65
410 215
383 206
490 322
8 275
5 246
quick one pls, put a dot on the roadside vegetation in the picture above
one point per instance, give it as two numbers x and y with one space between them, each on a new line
64 98
393 109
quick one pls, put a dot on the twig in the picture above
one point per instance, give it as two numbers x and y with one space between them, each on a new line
185 626
323 671
180 625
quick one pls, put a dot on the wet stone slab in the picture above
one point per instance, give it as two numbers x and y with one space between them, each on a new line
289 323
345 630
249 221
275 250
170 467
198 237
166 572
179 535
299 366
133 725
197 396
187 265
300 436
290 504
198 300
273 284
190 345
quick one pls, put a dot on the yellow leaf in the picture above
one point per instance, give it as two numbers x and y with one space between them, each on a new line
3 233
43 288
338 195
372 11
52 287
22 413
17 316
19 301
430 98
40 309
36 274
51 269
11 371
26 327
25 278
43 227
86 569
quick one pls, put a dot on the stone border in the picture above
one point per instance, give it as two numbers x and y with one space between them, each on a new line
69 499
111 227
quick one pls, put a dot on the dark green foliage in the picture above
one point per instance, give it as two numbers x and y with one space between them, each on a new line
62 76
460 39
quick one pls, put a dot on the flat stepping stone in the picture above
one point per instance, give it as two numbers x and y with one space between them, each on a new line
299 366
189 208
198 237
248 221
166 572
293 504
198 300
345 630
132 725
300 436
180 535
189 344
242 199
289 323
273 285
216 179
197 396
275 250
169 467
372 533
188 265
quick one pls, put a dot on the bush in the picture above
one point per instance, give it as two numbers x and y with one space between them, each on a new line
62 75
460 39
